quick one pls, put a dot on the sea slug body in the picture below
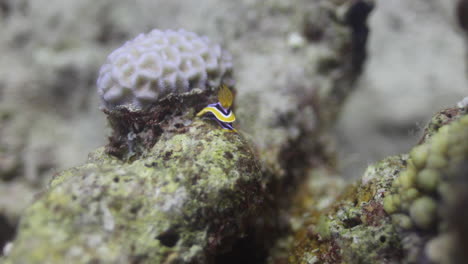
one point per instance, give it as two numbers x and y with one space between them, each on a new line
221 111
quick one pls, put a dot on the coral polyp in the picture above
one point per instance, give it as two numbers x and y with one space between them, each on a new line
152 65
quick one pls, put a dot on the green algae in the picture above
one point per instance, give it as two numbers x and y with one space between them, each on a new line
177 202
397 207
355 228
435 162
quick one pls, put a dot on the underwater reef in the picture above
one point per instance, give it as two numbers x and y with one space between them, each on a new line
174 186
402 210
187 201
210 187
166 188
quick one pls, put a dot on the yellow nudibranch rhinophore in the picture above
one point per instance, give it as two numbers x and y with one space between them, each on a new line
221 111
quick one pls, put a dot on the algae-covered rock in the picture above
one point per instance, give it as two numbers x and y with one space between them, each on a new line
186 200
402 208
355 228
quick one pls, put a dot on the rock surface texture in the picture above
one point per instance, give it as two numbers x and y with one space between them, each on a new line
188 200
401 211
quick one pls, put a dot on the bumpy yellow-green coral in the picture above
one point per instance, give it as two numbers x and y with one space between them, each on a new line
424 197
430 168
396 208
176 203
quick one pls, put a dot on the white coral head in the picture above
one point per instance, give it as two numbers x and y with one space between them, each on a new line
152 65
463 103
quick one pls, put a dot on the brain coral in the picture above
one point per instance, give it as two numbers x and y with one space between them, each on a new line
158 63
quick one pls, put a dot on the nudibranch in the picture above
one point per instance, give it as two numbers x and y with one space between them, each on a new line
221 111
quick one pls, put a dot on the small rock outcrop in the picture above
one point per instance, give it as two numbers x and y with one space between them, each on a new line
169 187
402 210
191 197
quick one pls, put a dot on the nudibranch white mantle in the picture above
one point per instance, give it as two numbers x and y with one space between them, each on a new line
221 111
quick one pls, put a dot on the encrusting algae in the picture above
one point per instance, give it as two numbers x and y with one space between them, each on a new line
431 168
401 209
190 197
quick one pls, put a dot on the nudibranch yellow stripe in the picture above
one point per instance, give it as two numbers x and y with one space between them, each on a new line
221 111
227 118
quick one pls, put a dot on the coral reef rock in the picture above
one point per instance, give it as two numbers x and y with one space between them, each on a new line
186 201
296 105
403 208
156 82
